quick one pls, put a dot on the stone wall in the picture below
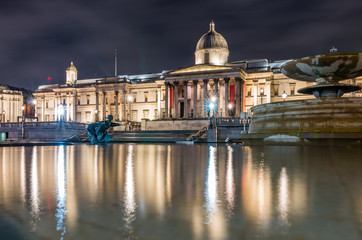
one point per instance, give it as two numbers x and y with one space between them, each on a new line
174 124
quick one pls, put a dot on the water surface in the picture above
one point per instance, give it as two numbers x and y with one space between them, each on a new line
146 191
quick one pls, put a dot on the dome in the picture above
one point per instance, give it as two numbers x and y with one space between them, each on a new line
71 67
212 48
211 39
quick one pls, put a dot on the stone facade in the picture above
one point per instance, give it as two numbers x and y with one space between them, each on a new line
10 104
186 93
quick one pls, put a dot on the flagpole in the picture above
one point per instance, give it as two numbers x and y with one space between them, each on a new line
115 62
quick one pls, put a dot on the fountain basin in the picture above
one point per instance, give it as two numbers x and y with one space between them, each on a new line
331 67
328 115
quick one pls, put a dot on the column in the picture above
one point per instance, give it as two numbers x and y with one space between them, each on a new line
195 97
268 90
166 100
158 103
205 97
68 108
74 112
226 96
96 112
238 96
175 99
255 91
216 94
104 109
124 117
42 109
186 113
116 98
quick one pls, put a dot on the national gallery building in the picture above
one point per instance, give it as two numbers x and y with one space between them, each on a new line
233 87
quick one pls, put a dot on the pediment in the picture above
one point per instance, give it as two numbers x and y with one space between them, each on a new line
201 68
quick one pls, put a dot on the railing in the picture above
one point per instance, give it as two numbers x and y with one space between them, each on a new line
232 122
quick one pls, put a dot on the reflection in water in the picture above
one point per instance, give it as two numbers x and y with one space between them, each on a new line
34 190
22 177
61 192
283 205
230 184
211 186
129 192
176 192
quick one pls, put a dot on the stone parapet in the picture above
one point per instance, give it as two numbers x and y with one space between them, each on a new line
175 124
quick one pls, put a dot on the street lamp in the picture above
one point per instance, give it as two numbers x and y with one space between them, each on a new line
213 99
284 95
61 111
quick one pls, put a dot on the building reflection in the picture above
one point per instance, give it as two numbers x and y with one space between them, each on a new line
206 188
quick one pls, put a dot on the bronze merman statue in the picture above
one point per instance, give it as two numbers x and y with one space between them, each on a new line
97 132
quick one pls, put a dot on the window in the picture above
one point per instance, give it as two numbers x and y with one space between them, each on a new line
146 96
88 99
134 98
249 92
47 104
292 89
156 114
276 89
163 96
146 113
78 101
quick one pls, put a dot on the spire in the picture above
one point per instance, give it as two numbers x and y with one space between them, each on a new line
212 26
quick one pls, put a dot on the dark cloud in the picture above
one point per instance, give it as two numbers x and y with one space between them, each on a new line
40 38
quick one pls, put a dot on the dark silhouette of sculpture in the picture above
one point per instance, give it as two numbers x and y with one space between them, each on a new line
97 132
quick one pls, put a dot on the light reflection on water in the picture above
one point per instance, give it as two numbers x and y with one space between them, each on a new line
180 192
34 190
61 193
129 192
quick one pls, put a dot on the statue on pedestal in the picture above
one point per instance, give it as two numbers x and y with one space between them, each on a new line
97 132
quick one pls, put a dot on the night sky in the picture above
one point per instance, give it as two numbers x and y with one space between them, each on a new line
39 38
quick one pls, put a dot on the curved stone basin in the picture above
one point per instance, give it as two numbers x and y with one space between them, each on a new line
330 115
331 67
